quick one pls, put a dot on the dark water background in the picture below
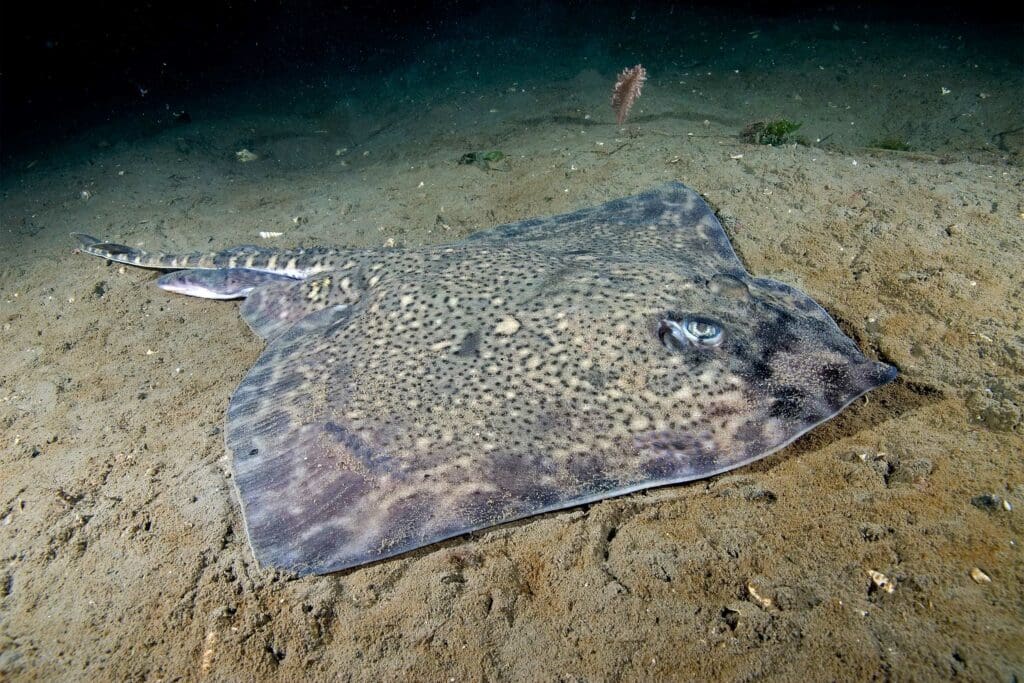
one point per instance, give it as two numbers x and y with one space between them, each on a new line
67 68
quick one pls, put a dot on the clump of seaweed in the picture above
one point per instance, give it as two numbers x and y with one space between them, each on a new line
773 132
493 160
892 143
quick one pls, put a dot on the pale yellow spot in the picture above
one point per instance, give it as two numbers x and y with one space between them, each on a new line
507 326
406 300
639 423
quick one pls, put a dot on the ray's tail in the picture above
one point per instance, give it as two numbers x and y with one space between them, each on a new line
292 263
239 257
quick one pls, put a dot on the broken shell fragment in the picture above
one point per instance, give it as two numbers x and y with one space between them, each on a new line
881 581
980 576
761 600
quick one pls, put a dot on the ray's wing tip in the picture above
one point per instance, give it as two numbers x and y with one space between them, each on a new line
883 373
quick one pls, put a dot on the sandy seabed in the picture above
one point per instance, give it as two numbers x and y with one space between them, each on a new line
122 550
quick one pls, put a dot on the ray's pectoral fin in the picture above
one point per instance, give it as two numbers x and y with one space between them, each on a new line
295 470
274 307
271 309
772 417
321 493
218 283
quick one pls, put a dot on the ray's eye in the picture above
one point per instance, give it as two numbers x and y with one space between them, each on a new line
691 331
702 331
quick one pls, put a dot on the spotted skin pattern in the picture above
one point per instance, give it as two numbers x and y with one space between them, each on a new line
408 396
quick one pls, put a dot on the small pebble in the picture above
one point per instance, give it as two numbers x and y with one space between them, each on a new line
881 581
980 576
987 501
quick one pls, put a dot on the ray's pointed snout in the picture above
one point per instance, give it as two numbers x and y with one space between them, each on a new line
880 374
